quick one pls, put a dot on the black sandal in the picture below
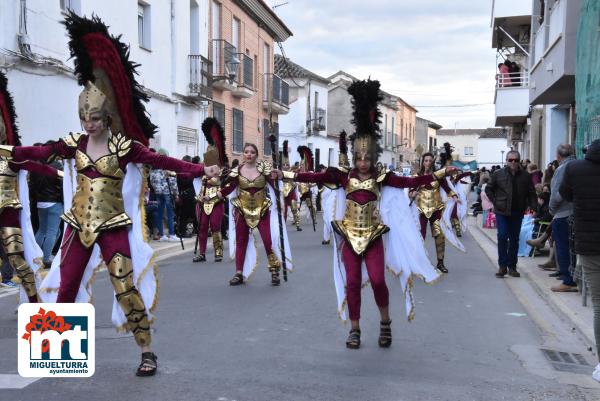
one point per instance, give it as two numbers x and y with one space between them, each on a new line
353 340
440 266
237 279
199 258
149 360
275 281
385 334
218 259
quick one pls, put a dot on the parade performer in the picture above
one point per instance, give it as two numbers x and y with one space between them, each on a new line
372 215
103 186
210 207
16 234
430 205
307 191
457 218
252 206
290 189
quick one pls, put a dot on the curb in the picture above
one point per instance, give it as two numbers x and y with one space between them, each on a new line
574 316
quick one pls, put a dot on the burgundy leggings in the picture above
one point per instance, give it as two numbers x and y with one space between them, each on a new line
423 220
75 256
288 203
242 235
374 259
205 221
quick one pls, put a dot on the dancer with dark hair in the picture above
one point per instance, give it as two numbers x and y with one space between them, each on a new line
252 206
290 189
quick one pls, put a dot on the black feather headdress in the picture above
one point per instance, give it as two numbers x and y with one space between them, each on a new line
307 158
103 59
7 113
366 117
215 137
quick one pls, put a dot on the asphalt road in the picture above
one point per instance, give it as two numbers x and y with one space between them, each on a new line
256 342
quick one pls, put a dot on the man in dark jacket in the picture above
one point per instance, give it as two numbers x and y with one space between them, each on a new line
580 185
512 193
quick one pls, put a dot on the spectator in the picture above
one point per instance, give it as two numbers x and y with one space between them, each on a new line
539 188
561 210
6 271
580 186
515 73
546 188
186 207
535 173
552 166
48 195
503 76
164 184
511 192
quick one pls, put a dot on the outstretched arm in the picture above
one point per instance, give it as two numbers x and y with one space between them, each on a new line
36 168
141 154
43 152
329 176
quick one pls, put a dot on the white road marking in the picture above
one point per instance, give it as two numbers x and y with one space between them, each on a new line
8 381
515 314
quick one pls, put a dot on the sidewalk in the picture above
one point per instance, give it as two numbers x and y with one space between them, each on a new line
162 250
567 305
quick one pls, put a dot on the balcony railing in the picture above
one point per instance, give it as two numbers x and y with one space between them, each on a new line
276 91
223 55
512 79
245 71
200 76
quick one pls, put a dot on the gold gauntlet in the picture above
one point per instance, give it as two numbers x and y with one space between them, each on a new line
290 175
6 151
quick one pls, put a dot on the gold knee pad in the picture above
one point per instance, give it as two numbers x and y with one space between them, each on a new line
273 262
12 241
120 269
218 244
295 213
456 225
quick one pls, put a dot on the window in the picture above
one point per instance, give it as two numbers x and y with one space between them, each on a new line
235 33
468 151
266 58
238 131
187 141
71 5
219 113
216 20
144 26
317 158
194 27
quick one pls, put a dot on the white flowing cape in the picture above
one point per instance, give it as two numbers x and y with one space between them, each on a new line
405 255
144 274
33 252
327 200
251 260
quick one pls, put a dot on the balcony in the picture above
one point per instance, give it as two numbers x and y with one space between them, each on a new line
200 76
553 64
511 98
244 77
225 64
276 94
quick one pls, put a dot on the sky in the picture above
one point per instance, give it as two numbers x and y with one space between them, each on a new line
428 52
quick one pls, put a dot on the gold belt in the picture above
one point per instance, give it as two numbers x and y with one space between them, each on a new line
360 226
252 206
8 192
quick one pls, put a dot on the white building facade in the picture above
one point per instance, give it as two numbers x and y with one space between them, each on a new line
306 121
161 35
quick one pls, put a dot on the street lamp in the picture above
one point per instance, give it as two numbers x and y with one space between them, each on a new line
502 158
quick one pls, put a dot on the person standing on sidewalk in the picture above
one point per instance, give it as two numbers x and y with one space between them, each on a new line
511 192
164 184
580 186
561 209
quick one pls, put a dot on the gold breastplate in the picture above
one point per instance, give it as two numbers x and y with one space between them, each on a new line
211 190
288 187
252 205
9 196
361 224
98 202
429 200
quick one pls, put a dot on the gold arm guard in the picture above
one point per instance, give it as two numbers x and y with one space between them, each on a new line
6 151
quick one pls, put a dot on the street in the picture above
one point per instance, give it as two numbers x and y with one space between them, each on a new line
471 339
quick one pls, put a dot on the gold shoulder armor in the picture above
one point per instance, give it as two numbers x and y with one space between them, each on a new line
264 167
441 173
72 140
119 144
